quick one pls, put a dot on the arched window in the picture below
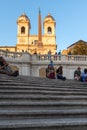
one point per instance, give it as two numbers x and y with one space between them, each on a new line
49 30
22 30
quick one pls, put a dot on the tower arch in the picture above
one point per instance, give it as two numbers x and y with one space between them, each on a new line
22 30
49 30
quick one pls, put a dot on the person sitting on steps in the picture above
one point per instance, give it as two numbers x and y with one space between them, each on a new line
6 69
50 72
59 73
77 74
84 75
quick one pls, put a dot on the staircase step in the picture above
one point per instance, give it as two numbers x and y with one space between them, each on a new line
36 114
34 103
45 124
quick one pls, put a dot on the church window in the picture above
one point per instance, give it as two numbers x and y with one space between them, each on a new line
22 30
22 50
49 30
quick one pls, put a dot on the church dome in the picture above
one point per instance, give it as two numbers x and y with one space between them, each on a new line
23 18
49 18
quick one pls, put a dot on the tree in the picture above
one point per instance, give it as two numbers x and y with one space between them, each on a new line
79 49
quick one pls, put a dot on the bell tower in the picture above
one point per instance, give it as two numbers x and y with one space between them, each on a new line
23 33
49 25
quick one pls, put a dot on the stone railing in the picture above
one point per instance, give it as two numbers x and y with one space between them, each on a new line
16 56
62 57
10 54
32 65
19 55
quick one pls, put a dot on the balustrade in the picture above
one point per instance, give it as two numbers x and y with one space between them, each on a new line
32 64
62 57
43 57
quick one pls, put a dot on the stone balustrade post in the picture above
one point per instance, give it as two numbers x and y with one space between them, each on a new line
34 57
26 57
63 58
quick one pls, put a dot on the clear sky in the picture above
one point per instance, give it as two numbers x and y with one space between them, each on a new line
70 17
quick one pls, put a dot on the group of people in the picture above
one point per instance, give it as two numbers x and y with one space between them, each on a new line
6 69
53 74
79 75
50 71
58 73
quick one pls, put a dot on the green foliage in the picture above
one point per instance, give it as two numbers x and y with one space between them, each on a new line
79 49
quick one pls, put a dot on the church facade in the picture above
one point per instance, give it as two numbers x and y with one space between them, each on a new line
38 43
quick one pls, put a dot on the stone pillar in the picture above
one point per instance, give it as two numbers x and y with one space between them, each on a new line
63 57
26 57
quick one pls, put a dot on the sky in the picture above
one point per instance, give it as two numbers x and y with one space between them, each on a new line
70 17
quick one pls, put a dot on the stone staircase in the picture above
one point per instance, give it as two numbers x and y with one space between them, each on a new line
32 103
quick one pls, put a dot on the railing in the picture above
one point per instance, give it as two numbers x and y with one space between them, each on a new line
19 55
10 54
62 57
32 64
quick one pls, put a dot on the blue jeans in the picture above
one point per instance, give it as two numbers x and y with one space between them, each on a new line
61 77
